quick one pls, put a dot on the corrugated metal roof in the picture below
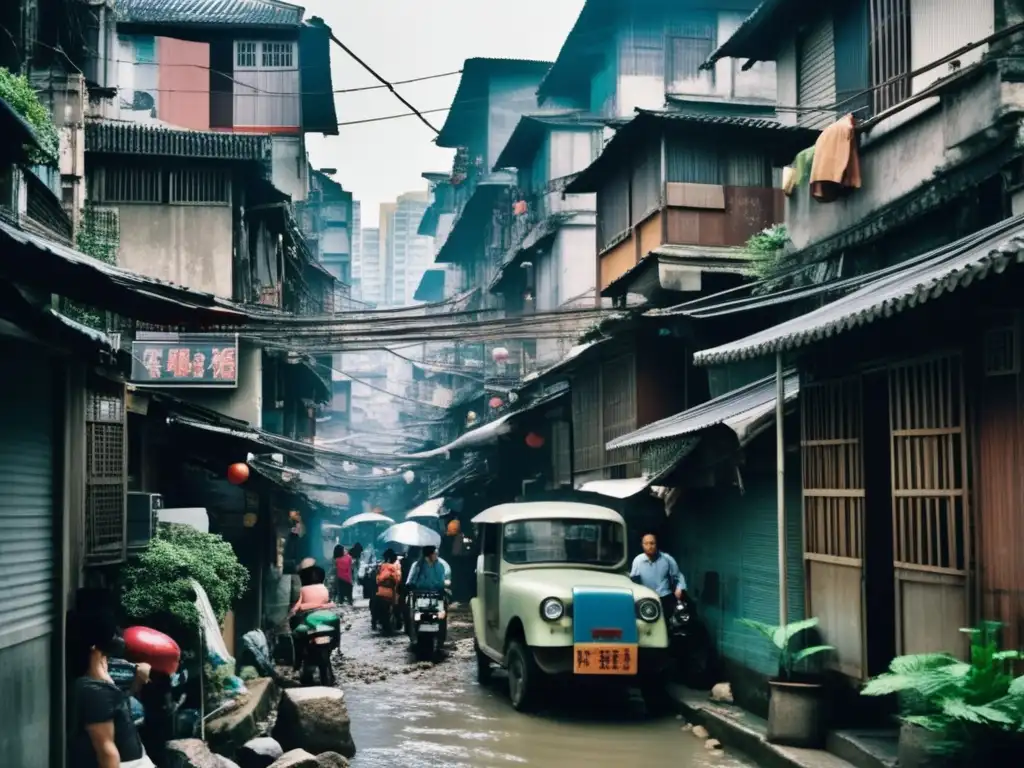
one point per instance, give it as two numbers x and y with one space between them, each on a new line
581 51
209 12
903 287
522 145
753 39
59 269
143 139
735 405
476 73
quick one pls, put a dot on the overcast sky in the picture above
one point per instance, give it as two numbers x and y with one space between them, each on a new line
405 39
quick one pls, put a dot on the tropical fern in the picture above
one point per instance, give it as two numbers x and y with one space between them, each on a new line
977 708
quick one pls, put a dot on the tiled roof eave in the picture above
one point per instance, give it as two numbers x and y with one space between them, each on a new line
914 295
140 139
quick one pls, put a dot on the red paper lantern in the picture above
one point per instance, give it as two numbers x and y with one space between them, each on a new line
495 402
145 645
238 473
533 440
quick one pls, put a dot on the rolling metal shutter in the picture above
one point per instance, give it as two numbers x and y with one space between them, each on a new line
816 72
27 556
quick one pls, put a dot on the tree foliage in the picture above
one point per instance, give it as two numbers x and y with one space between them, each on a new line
157 585
17 91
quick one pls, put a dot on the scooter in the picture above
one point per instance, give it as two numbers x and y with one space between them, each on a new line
428 627
690 645
316 634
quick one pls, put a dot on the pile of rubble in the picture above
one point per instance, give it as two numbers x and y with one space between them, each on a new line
311 730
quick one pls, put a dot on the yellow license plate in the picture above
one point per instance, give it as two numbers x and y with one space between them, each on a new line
602 659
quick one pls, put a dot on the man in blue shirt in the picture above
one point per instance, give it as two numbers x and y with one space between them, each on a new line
659 571
430 572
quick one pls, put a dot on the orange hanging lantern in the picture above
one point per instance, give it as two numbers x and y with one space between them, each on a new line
238 473
454 528
495 402
533 440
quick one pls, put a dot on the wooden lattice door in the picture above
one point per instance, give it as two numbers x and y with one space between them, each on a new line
930 504
833 515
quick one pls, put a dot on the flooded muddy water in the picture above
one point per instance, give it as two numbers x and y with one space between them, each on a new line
437 715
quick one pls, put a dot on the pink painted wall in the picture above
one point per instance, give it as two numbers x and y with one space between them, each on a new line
184 83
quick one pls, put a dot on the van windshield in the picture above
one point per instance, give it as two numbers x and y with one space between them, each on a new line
583 542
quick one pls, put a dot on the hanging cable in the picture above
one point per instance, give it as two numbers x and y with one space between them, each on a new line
386 84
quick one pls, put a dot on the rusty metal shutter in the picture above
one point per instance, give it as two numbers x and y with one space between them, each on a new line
816 76
28 541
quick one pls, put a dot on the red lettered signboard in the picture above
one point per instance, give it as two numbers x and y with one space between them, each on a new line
206 362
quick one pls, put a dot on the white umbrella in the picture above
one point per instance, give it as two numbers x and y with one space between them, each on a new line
430 509
367 517
411 534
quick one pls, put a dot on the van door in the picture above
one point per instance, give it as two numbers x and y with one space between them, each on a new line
488 579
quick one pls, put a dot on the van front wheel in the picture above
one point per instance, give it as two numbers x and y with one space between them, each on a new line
524 676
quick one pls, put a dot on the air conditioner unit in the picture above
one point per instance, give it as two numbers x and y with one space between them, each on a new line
143 513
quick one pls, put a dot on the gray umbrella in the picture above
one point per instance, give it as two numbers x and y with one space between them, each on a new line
411 534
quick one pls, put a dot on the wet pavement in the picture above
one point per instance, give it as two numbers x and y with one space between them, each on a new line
408 714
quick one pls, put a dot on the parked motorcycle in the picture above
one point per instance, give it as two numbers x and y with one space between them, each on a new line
428 627
690 645
316 634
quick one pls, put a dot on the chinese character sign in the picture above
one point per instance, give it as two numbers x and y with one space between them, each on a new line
209 362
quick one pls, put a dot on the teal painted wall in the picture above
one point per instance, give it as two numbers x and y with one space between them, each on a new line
735 534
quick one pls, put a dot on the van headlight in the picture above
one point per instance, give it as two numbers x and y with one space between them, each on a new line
649 610
552 609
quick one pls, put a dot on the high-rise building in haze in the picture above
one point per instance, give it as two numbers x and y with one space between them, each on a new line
386 256
371 286
357 250
405 255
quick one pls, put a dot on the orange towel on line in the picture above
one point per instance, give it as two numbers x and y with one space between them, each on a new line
836 166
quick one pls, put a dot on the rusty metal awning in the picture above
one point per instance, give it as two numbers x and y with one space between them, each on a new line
743 410
894 290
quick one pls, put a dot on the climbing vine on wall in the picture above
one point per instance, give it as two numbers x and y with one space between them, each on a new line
98 236
17 91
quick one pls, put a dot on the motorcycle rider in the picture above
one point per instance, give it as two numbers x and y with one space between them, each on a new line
660 572
313 594
429 573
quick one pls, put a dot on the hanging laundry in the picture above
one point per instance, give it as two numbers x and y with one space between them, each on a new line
836 167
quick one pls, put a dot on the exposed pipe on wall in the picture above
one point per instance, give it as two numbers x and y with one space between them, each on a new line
780 451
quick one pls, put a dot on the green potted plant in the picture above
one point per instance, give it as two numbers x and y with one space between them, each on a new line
796 712
953 712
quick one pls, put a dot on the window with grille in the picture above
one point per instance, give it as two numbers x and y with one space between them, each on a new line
686 52
124 184
245 55
889 25
278 55
105 471
204 186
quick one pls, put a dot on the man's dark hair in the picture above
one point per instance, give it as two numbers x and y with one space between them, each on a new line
428 551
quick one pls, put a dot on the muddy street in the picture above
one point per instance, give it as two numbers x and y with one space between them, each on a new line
411 714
